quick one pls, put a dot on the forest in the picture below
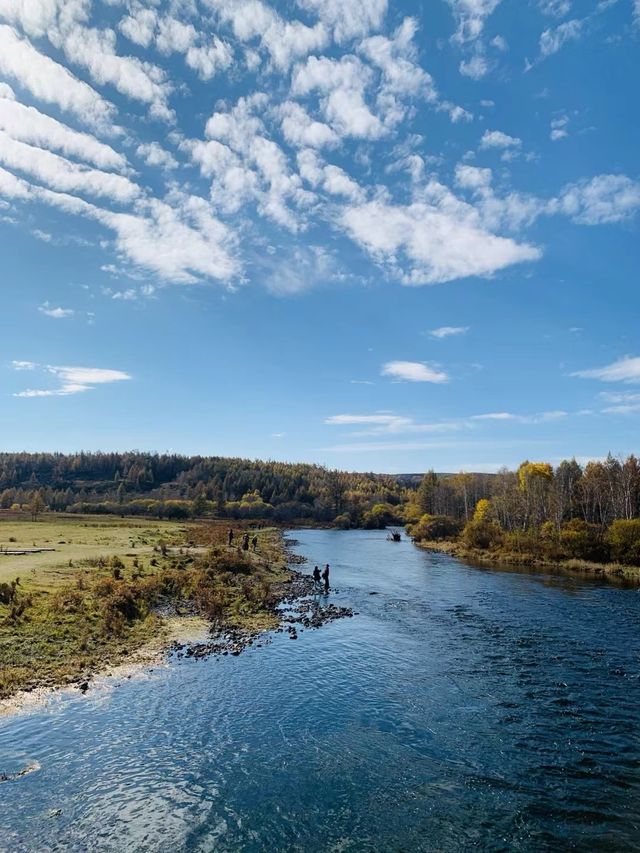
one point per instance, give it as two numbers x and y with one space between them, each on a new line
174 486
569 511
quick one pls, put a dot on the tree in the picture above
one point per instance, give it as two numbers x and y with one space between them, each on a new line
36 505
535 479
426 492
462 481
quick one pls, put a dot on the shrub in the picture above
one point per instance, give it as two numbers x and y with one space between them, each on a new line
7 592
482 534
343 522
623 538
582 540
436 527
379 516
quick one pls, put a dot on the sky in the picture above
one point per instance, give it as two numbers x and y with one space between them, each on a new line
381 235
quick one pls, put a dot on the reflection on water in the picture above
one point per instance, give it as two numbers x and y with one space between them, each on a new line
461 709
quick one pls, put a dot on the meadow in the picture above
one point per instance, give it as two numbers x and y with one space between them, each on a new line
112 588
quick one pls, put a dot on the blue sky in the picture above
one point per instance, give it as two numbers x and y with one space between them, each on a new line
376 235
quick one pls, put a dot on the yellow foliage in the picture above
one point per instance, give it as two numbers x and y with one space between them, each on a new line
482 510
528 471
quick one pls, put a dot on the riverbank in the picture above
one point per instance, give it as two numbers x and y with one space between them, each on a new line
510 558
63 623
189 594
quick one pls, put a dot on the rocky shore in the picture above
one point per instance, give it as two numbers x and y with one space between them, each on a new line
296 607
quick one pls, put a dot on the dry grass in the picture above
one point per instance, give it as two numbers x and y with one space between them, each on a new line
63 621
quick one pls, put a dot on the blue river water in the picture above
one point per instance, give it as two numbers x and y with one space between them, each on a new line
460 709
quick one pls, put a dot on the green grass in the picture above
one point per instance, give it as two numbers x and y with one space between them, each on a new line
75 539
91 603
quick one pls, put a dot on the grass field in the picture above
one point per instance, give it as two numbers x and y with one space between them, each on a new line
76 539
93 601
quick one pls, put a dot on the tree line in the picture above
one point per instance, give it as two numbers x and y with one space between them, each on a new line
175 486
589 512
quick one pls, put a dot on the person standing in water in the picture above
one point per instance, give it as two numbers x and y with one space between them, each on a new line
316 579
325 578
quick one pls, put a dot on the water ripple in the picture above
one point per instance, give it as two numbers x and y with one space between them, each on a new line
462 709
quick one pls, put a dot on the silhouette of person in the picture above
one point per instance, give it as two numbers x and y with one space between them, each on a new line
325 577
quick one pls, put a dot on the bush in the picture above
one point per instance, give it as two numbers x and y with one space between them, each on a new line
8 592
342 522
380 516
582 540
482 535
623 537
436 527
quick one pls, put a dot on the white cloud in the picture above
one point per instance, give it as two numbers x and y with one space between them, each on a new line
62 174
542 417
71 380
396 58
56 313
556 8
448 331
246 165
441 241
334 180
140 26
49 81
27 124
619 396
622 403
174 36
181 242
475 67
303 268
388 423
285 41
457 113
471 16
625 370
300 130
498 139
559 128
7 92
603 199
342 83
64 24
348 20
154 154
95 50
414 371
205 54
472 177
553 39
210 58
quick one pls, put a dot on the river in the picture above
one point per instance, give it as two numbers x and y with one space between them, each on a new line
460 709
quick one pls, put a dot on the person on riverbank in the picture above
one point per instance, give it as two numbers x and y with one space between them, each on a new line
245 542
316 580
254 543
230 537
325 578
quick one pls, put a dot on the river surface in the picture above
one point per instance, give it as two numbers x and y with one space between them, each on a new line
460 709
